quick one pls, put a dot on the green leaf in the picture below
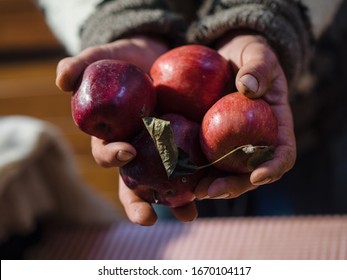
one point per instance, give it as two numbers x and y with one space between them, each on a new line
163 137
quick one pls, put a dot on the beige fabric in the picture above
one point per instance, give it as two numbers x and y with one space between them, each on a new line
322 13
39 179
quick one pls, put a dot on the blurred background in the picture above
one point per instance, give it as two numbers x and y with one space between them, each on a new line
29 54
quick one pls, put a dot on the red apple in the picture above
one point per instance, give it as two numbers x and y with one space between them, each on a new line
111 99
234 121
190 79
146 174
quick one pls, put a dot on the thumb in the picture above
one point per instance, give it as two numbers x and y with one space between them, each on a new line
257 72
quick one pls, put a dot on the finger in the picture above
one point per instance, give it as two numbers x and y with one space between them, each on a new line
186 213
285 152
201 190
230 187
138 211
258 70
69 69
114 154
274 169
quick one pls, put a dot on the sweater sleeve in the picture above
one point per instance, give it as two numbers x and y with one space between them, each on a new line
283 22
116 19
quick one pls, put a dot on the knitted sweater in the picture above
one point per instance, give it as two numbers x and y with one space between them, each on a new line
80 24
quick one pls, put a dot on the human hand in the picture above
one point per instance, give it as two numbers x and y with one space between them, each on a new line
141 51
117 154
142 213
259 75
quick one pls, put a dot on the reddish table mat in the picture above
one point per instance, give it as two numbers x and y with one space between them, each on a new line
281 238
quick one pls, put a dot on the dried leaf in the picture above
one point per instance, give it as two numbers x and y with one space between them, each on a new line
259 155
163 137
184 165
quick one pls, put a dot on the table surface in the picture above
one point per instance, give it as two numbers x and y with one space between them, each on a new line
269 238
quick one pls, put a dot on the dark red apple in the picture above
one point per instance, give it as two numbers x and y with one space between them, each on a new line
234 121
111 99
146 174
190 79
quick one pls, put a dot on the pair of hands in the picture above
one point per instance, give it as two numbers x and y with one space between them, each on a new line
259 74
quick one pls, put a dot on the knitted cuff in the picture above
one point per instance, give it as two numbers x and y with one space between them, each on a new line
119 19
283 23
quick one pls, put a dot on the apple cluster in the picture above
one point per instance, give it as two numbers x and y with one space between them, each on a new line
184 119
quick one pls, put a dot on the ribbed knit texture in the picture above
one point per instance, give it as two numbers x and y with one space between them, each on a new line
283 22
117 19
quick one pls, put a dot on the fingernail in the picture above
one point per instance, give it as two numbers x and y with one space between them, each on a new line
204 197
262 182
222 196
125 156
250 82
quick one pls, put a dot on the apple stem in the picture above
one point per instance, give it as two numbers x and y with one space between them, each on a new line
248 149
